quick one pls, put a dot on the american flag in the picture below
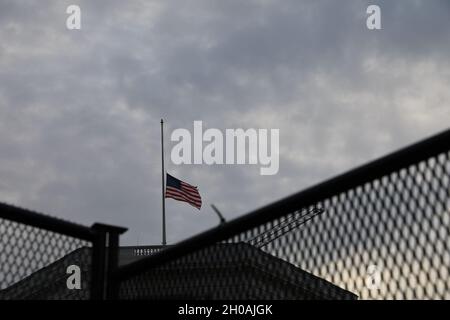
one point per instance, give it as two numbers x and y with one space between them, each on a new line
182 191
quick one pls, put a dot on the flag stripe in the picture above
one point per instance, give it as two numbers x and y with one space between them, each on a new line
180 197
189 192
188 186
198 206
191 196
174 195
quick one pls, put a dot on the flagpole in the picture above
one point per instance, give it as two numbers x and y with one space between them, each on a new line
162 185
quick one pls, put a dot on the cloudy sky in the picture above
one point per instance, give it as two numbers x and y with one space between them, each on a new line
80 109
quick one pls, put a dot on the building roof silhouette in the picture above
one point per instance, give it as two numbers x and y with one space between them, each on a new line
219 272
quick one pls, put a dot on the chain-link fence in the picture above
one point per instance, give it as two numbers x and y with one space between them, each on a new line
31 265
47 258
381 231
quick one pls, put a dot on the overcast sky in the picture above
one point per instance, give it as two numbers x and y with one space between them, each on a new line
80 110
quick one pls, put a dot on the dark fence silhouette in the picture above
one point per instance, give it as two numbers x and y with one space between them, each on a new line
36 250
380 231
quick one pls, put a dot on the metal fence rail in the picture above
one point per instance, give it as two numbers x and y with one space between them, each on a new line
36 249
384 233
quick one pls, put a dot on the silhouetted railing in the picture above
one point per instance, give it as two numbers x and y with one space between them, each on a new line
36 251
383 234
380 231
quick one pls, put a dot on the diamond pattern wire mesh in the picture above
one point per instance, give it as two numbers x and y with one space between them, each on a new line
385 239
34 262
388 239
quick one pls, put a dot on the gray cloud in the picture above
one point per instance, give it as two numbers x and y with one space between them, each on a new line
80 110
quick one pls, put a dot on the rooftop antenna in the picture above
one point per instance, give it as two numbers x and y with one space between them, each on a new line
222 219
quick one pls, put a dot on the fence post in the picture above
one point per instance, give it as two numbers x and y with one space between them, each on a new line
105 261
98 265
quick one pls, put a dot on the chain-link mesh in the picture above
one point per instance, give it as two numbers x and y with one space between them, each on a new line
34 263
388 238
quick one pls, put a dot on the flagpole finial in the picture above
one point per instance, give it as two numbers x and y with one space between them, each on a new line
162 121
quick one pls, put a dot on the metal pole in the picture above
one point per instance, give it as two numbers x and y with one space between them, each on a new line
106 257
162 184
222 219
98 266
